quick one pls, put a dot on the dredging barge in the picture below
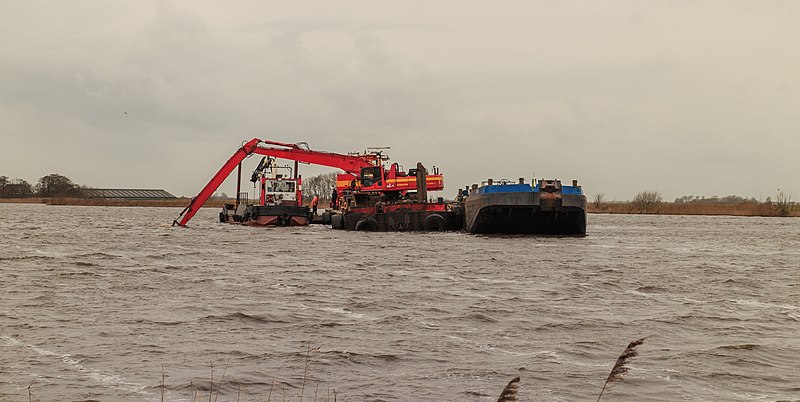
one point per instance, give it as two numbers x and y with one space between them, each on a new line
370 197
517 208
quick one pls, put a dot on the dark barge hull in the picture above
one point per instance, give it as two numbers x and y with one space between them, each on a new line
267 215
526 213
400 219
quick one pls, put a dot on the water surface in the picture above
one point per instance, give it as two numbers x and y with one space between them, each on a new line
96 301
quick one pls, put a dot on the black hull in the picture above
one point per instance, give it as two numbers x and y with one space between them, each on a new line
267 215
400 221
526 213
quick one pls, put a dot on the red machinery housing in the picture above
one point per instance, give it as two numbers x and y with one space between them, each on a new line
366 187
280 199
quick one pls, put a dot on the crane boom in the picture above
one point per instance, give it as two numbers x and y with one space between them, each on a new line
351 164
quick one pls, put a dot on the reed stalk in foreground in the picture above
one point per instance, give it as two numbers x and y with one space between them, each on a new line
305 370
30 393
219 387
211 389
510 392
620 367
162 383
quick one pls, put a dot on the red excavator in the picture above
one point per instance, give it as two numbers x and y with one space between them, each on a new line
366 186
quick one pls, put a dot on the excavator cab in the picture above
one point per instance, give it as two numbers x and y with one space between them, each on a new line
371 176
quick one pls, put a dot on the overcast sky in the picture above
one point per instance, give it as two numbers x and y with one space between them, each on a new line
683 97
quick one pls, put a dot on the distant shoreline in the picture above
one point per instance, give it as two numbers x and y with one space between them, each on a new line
691 208
627 208
109 202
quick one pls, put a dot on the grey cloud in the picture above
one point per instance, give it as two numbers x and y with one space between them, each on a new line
683 97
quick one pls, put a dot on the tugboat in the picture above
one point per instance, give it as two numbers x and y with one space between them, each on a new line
517 208
280 199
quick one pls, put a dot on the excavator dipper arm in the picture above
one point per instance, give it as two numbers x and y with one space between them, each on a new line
207 191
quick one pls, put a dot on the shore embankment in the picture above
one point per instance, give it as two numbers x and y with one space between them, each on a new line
664 208
673 208
112 202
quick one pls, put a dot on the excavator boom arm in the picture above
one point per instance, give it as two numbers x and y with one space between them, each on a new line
349 163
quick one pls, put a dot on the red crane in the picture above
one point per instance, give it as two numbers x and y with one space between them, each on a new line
366 169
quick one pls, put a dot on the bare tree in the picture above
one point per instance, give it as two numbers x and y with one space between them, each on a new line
599 199
647 201
783 201
321 185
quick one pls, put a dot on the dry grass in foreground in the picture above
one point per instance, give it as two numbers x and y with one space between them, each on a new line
511 391
199 392
509 394
279 390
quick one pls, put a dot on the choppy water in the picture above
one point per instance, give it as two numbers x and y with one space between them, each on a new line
95 301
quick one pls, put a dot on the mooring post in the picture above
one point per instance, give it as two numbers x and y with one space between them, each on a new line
422 183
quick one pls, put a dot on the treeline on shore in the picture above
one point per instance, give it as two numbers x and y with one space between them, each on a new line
52 185
651 202
673 208
180 202
56 186
55 189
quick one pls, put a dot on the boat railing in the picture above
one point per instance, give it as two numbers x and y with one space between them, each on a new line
501 182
